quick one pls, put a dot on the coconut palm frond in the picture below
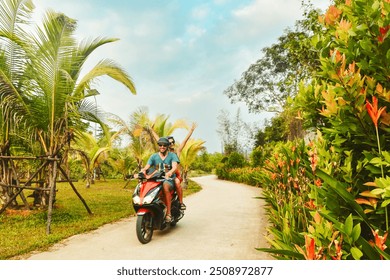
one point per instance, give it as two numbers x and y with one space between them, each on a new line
190 151
14 13
88 46
14 16
181 123
80 153
105 68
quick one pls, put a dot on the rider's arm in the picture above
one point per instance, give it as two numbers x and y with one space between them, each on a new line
149 163
143 170
172 171
153 133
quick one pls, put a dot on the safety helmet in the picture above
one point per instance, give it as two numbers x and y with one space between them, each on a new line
163 141
171 137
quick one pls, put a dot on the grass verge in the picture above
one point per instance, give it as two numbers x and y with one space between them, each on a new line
22 231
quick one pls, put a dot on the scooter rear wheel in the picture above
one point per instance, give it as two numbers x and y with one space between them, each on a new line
144 228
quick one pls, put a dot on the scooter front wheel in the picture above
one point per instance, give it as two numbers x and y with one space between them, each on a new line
144 228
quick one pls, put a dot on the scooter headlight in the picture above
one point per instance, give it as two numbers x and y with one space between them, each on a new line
150 197
136 199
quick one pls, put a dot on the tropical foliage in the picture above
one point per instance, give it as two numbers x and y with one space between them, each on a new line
43 93
329 197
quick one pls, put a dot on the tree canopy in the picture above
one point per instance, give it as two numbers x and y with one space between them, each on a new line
272 79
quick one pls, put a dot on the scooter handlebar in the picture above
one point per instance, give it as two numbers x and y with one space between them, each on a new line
141 175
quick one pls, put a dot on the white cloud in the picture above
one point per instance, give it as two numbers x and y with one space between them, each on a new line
201 12
193 33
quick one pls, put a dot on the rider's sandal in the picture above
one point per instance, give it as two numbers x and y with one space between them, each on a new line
168 218
183 206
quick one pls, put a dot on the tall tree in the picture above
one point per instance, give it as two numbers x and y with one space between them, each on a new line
271 80
236 135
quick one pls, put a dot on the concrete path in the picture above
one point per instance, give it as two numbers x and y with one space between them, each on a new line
224 221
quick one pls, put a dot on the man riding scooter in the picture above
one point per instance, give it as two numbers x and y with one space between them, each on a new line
169 161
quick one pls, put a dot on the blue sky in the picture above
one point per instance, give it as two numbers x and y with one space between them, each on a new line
181 55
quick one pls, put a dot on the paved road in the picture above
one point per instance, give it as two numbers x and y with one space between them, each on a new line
223 222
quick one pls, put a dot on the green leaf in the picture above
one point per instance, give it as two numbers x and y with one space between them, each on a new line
384 254
377 161
348 225
351 33
340 189
366 45
356 253
386 154
368 250
376 6
362 27
385 203
377 191
293 254
315 40
356 232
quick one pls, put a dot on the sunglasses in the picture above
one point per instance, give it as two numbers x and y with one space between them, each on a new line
162 145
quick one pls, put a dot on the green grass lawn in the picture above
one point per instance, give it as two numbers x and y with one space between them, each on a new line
24 231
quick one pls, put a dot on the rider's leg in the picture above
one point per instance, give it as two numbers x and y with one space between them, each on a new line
168 198
179 190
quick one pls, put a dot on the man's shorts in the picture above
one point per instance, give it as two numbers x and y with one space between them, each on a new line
170 182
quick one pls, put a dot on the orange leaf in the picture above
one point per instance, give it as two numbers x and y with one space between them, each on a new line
332 14
317 218
370 184
369 194
385 119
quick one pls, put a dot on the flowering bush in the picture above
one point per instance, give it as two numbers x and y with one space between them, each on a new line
329 199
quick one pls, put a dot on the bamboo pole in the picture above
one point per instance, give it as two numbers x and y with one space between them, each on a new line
75 190
13 168
21 188
24 157
25 187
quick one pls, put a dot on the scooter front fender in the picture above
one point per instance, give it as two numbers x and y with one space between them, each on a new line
143 211
158 216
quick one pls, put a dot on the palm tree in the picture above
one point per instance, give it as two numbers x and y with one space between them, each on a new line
14 15
41 86
140 143
92 152
59 93
122 161
161 127
188 156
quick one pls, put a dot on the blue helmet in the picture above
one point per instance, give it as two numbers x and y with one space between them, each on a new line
163 141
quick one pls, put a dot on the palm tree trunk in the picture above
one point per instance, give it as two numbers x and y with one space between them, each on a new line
185 179
6 176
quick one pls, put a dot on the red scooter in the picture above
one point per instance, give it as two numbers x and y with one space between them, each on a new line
148 203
